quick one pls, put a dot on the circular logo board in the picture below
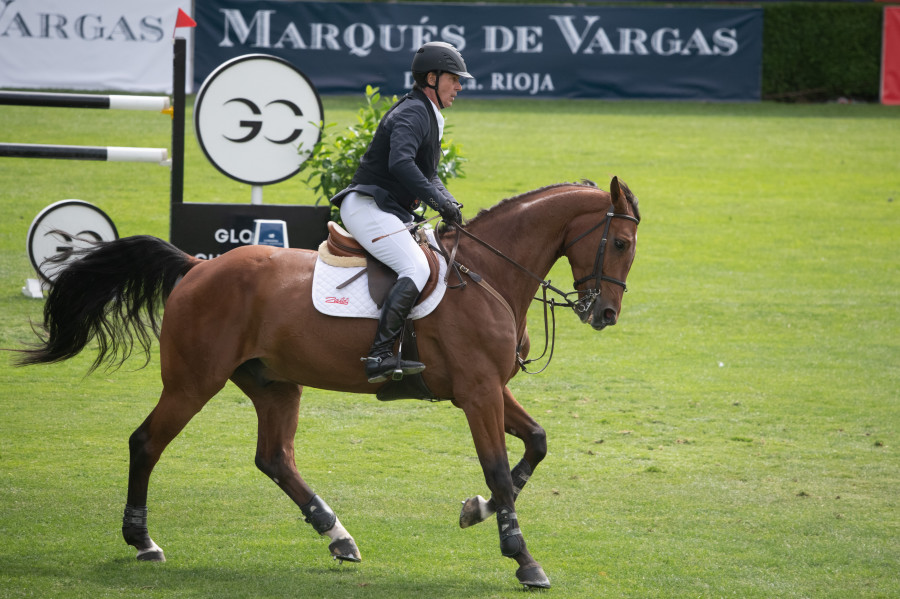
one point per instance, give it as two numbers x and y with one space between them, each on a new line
61 228
251 116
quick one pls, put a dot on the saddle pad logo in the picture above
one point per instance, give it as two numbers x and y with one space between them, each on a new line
344 301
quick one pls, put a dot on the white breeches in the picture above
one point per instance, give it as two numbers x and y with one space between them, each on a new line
366 221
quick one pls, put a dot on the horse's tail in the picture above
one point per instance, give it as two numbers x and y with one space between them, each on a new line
105 294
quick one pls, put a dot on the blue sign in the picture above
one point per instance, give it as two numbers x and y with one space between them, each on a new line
270 232
513 51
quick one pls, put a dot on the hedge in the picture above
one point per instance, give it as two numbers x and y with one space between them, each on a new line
821 51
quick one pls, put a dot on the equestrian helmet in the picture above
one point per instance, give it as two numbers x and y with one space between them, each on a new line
439 56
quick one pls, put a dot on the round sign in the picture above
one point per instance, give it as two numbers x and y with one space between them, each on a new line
61 228
251 116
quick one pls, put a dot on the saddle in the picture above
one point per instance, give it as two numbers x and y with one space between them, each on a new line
343 250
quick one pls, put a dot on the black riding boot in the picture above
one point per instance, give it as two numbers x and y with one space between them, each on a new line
381 363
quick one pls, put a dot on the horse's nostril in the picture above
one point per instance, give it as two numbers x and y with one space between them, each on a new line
609 316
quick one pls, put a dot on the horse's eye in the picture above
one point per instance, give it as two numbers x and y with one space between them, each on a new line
620 245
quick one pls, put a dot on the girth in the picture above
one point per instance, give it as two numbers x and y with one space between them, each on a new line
343 250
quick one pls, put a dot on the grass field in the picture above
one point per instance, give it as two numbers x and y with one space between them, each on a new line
736 435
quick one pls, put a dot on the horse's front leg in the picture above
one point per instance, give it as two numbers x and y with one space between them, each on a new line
518 423
486 422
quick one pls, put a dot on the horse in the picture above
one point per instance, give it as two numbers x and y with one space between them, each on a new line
248 316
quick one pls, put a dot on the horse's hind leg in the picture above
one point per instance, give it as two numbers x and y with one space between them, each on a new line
146 445
516 422
277 405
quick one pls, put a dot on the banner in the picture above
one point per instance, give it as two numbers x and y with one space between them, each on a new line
890 59
513 51
89 44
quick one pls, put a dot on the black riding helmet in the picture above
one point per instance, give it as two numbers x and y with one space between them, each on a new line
440 57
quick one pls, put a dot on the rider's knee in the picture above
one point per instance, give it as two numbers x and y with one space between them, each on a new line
418 270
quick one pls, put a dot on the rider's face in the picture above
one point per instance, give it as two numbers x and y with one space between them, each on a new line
448 87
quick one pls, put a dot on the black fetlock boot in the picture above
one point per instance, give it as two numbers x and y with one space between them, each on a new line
381 363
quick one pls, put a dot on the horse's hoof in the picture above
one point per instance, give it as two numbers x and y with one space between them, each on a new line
474 510
533 577
153 554
345 550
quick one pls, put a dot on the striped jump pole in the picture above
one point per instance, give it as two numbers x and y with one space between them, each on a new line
174 108
62 100
101 153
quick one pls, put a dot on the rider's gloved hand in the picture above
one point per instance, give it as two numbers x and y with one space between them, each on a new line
450 212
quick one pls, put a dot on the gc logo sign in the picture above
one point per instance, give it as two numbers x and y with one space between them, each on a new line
60 229
252 113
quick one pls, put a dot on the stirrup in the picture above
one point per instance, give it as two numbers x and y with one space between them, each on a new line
376 376
395 368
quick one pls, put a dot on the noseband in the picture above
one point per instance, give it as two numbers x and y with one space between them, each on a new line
584 303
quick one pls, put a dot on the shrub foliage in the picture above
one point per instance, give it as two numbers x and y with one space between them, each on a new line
821 51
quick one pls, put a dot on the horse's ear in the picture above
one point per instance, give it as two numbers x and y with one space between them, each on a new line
617 193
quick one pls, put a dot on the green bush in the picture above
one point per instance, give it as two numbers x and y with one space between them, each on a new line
818 51
333 161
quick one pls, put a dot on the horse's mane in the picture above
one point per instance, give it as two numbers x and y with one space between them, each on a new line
507 202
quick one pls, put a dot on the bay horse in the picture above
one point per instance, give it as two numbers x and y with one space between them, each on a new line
248 316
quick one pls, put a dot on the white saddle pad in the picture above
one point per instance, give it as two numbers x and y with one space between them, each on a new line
354 301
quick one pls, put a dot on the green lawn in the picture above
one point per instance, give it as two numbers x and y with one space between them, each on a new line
734 436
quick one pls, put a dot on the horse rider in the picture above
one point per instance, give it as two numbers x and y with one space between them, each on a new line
397 172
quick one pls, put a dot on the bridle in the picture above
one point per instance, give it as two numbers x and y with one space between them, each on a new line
584 303
581 306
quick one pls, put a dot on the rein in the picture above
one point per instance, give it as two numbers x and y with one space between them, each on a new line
581 306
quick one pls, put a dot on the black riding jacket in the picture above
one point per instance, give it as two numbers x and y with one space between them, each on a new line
399 168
